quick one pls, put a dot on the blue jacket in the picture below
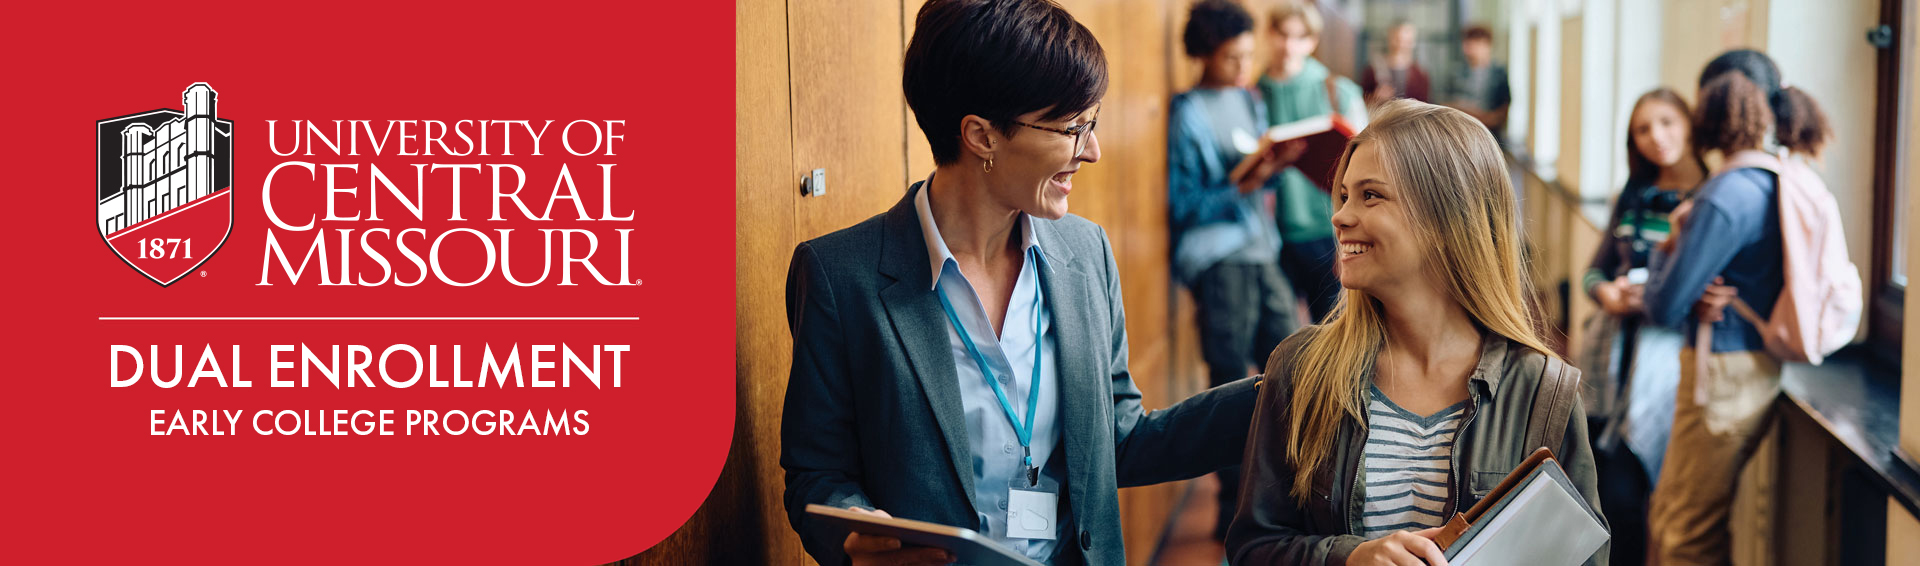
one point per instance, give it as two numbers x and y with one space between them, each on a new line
1209 218
1733 232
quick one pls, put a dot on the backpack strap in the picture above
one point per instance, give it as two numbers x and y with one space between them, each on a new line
1747 159
1553 404
1752 159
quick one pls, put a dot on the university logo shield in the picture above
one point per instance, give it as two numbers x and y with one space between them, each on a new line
164 185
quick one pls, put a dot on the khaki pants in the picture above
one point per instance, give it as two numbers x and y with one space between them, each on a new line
1718 420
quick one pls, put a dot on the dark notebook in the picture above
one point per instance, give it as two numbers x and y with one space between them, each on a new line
969 547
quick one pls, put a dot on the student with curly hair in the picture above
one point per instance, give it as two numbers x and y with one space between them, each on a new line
1226 247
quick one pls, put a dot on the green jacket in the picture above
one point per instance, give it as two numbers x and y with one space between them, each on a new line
1272 528
1305 212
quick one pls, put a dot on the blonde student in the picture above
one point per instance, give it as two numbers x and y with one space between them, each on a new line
1428 383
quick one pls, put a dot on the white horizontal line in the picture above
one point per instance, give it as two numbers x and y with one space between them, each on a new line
635 318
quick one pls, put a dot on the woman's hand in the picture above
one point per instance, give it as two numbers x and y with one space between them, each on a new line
1278 157
1404 548
870 550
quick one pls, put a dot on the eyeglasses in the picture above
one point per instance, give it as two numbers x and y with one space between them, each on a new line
1079 133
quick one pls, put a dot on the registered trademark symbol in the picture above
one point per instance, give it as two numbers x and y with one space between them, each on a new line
203 273
636 282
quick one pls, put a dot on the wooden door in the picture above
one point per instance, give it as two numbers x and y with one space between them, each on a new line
848 115
817 86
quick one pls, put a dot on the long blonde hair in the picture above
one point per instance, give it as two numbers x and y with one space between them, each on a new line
1454 182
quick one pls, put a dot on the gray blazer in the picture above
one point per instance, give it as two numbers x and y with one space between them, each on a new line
873 415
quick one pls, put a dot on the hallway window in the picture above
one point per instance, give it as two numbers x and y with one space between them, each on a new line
1896 148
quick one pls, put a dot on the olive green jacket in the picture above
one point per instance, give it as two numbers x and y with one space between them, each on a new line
1271 527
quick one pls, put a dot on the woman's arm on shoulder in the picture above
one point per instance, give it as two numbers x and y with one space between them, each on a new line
1189 439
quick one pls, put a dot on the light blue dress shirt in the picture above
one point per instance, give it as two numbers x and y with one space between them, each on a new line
997 458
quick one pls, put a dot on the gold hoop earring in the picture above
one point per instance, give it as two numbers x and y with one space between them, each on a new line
987 166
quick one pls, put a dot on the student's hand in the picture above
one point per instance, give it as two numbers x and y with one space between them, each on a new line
1635 296
870 550
1612 298
1404 548
1620 297
1286 154
1278 157
1713 303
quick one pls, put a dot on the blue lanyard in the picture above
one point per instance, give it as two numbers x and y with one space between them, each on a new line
1022 430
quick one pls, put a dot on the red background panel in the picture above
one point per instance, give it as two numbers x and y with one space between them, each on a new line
84 481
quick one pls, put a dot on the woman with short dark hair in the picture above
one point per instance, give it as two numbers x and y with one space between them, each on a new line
962 358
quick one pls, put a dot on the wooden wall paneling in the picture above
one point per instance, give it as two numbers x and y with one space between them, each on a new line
1096 187
1804 524
767 196
1178 72
919 154
848 114
1182 72
742 520
1128 187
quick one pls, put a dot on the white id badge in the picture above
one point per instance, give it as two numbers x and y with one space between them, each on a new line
1032 514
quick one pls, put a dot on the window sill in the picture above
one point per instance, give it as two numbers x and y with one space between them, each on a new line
1857 402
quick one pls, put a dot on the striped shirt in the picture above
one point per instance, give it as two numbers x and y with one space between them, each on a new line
1409 460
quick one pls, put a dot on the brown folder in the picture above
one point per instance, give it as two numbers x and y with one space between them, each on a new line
1460 522
1536 516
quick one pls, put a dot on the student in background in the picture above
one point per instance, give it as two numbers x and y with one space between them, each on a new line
1480 88
1433 359
1663 171
1225 245
962 357
1395 74
1730 234
1295 87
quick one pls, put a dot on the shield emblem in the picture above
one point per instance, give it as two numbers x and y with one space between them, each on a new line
164 185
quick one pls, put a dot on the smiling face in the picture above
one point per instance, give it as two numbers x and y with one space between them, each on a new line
1033 171
1660 133
1379 247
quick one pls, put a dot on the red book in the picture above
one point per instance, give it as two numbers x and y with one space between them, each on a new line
1326 138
